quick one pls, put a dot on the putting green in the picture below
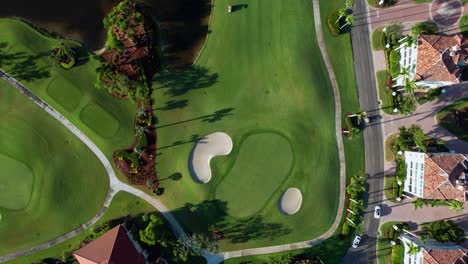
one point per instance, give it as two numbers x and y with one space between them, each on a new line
258 170
16 183
99 120
69 98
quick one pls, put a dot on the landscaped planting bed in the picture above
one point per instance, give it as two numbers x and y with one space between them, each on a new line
453 118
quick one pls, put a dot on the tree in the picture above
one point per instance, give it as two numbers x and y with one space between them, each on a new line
341 13
349 3
192 245
282 259
455 205
444 231
412 248
63 55
349 21
408 105
419 138
154 232
359 229
409 86
426 27
356 185
353 132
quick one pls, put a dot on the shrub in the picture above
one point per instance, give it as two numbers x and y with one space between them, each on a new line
395 63
401 170
444 231
430 96
407 105
426 27
334 27
345 229
395 189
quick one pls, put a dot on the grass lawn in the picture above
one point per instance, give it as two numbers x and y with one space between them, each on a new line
50 182
377 43
384 248
453 128
389 156
385 94
388 185
107 121
260 74
122 205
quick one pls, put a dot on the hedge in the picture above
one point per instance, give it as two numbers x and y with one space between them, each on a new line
395 63
401 170
396 189
334 27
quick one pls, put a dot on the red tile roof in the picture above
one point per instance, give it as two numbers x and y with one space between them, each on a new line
441 170
114 247
439 256
436 61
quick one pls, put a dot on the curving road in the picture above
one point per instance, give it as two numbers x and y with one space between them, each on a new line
116 185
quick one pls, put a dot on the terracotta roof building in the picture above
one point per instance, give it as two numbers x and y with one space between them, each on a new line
114 247
432 252
436 175
440 59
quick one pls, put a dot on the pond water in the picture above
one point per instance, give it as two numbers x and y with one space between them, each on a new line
184 21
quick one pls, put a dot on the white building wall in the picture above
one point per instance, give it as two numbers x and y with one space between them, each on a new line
414 258
408 59
414 182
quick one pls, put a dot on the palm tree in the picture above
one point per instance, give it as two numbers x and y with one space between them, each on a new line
341 13
409 86
360 115
412 248
359 229
455 205
349 3
353 132
349 21
418 203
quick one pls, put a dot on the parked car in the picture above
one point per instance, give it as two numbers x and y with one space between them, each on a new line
377 212
356 241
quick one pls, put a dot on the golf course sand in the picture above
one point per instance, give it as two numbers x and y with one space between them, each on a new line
290 202
208 147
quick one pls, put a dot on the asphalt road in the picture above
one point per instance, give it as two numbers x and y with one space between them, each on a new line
373 136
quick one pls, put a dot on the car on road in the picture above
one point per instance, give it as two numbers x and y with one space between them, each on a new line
377 212
356 241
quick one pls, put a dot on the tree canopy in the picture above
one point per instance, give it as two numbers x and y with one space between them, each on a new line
444 231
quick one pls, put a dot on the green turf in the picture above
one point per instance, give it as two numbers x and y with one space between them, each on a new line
16 183
69 183
384 248
259 157
454 129
26 57
122 205
385 94
99 120
261 70
376 39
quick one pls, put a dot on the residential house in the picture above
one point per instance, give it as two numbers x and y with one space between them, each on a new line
433 252
114 247
434 60
436 175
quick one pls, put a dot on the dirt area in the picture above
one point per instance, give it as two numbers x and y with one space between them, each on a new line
457 118
184 23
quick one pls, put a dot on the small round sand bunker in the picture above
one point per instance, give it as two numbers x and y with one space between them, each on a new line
210 146
290 202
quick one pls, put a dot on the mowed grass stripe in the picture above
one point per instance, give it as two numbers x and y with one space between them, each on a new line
271 76
263 162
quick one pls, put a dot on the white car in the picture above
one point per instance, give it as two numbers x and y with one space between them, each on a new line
377 212
356 241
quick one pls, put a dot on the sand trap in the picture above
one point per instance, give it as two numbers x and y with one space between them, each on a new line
290 202
212 145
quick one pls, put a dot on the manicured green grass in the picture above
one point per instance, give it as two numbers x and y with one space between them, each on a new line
385 94
257 73
258 156
388 185
100 120
454 129
389 156
67 186
377 39
68 91
16 184
384 248
398 253
122 205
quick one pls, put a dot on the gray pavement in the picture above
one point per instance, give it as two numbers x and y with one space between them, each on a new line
373 139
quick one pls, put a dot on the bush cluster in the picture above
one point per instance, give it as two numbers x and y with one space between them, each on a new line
395 63
426 27
334 27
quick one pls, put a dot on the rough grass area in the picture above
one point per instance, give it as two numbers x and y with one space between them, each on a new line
257 73
259 153
122 205
453 128
69 183
16 183
26 57
99 120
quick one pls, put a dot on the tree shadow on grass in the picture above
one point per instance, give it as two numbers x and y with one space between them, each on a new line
177 83
216 116
21 65
174 104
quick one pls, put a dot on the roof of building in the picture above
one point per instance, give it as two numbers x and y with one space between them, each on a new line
445 256
441 170
438 57
114 247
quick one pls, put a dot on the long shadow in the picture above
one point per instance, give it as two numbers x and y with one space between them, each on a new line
177 83
22 65
194 138
173 104
216 116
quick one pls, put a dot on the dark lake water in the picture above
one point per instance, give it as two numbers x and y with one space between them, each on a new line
184 21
